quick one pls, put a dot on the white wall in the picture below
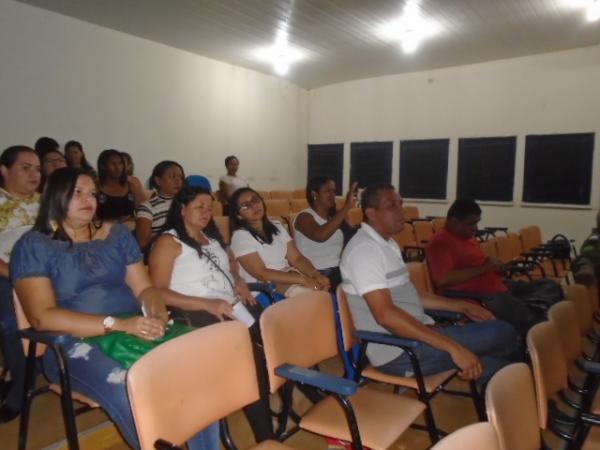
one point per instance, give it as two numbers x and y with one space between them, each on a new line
68 79
551 93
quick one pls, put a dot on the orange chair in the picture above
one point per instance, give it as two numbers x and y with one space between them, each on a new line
411 212
173 398
438 223
217 208
423 231
354 217
478 436
299 193
224 227
278 207
298 204
489 248
408 244
282 195
264 194
299 333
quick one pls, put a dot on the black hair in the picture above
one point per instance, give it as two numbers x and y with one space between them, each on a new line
160 169
229 158
372 195
313 185
175 220
237 222
84 162
54 205
44 145
10 155
103 159
463 208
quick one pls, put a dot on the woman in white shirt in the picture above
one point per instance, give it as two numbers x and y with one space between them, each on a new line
197 273
231 182
265 250
320 229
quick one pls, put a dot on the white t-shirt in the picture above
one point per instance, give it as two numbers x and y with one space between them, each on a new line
273 255
322 255
234 183
199 277
369 263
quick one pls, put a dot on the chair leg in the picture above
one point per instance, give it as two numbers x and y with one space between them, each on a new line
477 401
66 400
28 393
432 429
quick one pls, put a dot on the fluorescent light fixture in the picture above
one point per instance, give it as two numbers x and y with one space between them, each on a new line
410 29
592 12
281 55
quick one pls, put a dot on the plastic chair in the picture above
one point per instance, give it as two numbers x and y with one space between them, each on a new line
35 344
282 195
478 436
278 207
264 194
173 398
438 223
426 387
423 232
198 181
217 208
411 212
298 204
354 217
224 227
298 334
299 193
408 244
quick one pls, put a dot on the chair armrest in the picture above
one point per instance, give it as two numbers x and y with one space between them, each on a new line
590 419
592 367
496 229
45 337
443 314
465 294
320 380
387 339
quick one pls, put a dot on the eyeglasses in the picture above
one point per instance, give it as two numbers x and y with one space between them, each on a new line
254 200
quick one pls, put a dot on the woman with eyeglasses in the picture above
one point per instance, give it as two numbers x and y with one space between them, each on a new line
265 250
198 273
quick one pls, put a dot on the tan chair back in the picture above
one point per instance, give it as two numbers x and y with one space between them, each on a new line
505 249
423 231
419 276
438 223
564 317
580 296
511 408
300 331
282 194
411 212
516 246
354 216
489 248
531 237
264 194
278 207
548 363
187 383
224 226
477 436
299 193
406 238
346 321
217 208
298 204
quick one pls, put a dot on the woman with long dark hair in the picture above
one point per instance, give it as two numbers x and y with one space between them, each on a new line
84 278
199 274
167 179
320 229
265 250
75 157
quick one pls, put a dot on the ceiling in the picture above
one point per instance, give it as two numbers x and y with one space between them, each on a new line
338 36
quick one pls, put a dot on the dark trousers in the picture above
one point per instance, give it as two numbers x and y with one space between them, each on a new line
517 312
12 348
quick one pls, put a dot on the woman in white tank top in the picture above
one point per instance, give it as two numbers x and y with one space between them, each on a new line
320 229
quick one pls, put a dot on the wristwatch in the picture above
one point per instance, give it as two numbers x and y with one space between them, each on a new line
109 323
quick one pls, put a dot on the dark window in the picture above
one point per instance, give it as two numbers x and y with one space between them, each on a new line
327 160
558 168
486 168
371 163
424 168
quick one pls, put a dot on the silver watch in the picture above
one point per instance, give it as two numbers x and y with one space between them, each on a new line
109 323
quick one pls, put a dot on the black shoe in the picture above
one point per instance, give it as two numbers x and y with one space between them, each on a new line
7 413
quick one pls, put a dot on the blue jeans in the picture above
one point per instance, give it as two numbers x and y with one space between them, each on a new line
103 379
493 341
12 348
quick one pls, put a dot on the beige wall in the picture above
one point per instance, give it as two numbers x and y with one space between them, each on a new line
551 93
67 79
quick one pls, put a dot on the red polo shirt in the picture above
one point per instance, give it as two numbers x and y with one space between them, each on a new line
447 252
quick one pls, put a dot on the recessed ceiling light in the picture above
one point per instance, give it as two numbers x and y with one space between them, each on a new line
593 11
281 55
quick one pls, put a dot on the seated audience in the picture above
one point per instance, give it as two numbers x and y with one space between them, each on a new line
51 161
77 277
457 263
265 250
319 229
19 204
117 198
383 299
76 158
199 274
167 180
44 145
231 182
138 188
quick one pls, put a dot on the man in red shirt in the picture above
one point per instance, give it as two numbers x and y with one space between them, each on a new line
457 263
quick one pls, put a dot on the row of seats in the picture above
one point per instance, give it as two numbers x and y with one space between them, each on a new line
557 398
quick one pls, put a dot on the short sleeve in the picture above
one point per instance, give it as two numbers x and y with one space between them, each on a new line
31 256
283 235
439 259
144 211
128 245
365 268
243 243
